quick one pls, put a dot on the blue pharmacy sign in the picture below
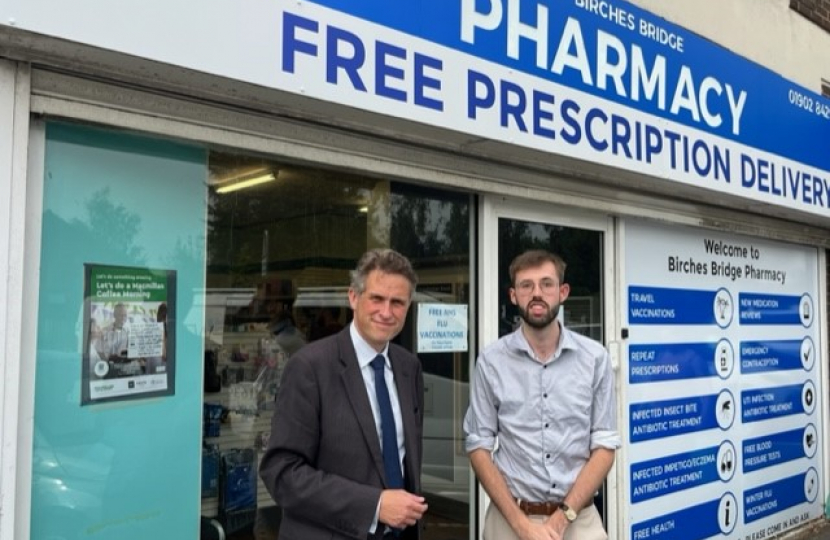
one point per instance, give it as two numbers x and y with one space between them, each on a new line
603 82
617 86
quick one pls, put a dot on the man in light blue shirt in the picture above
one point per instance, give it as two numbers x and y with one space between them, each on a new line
541 427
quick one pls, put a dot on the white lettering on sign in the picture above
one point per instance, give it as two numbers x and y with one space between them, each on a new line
611 63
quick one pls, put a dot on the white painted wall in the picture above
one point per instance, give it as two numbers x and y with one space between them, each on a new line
767 32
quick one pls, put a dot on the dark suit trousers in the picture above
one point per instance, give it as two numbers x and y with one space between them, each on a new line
410 533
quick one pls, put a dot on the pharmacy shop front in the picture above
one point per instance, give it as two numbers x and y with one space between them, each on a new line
184 199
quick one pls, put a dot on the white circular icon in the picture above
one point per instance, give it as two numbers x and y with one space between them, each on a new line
726 461
808 397
811 484
805 311
101 368
810 440
725 409
723 308
724 359
808 354
727 513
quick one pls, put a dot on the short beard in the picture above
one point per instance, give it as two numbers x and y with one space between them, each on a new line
539 323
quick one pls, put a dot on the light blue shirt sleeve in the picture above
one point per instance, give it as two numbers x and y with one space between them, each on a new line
603 420
481 420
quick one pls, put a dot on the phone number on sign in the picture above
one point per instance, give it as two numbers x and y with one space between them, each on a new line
809 104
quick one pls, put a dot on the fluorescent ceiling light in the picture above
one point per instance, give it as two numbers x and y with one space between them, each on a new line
246 183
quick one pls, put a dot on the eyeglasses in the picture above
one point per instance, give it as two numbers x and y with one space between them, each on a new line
547 286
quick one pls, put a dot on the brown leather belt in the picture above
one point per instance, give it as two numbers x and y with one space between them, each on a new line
539 508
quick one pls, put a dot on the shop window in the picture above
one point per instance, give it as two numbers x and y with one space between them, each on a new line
281 240
116 431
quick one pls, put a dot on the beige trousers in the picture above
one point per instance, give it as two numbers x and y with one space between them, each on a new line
588 525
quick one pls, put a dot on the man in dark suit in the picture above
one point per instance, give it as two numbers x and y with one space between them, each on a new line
326 464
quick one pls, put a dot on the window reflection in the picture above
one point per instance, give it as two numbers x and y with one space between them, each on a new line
280 249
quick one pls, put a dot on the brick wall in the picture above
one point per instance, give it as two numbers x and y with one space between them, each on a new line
817 11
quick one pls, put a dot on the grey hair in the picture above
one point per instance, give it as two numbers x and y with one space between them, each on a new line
387 261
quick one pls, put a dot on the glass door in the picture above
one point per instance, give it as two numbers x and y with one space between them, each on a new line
585 243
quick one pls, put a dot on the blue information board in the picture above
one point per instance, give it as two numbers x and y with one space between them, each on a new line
715 405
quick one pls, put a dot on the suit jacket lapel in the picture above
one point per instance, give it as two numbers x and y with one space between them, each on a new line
356 393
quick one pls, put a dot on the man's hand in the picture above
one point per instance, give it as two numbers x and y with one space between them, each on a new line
400 509
534 530
557 522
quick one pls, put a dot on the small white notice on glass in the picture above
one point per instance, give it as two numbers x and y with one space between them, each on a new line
442 328
146 340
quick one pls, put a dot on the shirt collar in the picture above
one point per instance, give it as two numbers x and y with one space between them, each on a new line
518 342
365 352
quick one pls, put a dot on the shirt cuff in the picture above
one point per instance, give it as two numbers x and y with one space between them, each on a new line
605 439
474 442
374 525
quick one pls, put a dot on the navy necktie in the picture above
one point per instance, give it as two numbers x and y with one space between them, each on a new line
389 433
